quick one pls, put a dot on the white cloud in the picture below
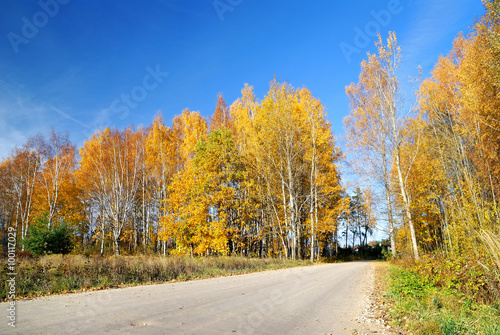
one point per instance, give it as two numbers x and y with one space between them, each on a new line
23 115
432 32
9 139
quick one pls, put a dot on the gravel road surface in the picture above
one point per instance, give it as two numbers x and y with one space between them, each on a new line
319 299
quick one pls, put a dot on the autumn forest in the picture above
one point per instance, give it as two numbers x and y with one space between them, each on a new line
258 178
262 176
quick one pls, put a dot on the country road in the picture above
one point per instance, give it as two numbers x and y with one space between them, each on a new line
320 299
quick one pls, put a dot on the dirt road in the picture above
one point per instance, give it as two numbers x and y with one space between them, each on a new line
321 299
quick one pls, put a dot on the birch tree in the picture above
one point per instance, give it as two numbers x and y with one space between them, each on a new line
377 102
58 162
110 160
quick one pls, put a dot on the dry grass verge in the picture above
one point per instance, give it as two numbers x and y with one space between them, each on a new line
57 274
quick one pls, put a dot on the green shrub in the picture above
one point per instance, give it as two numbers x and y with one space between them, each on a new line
424 305
407 282
42 240
451 326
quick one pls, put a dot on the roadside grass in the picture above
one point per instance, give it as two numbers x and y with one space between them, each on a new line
61 274
423 308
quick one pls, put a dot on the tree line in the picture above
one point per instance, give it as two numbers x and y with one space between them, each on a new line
261 177
256 178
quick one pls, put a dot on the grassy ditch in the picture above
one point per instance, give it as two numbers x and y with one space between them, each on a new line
422 307
57 274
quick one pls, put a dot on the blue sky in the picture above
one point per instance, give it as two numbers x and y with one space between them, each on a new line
79 66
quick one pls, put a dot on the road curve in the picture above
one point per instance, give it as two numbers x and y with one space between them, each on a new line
320 299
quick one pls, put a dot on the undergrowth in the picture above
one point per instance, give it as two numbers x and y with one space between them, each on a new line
422 307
